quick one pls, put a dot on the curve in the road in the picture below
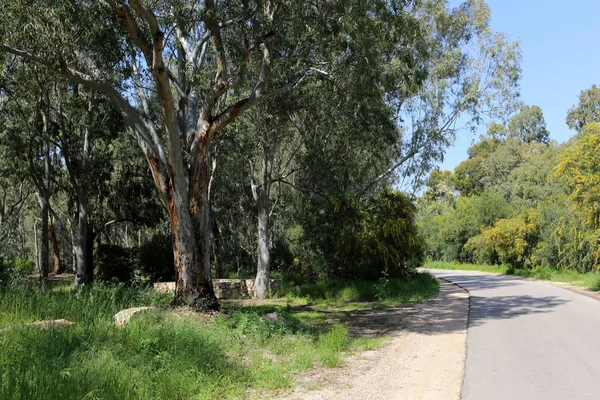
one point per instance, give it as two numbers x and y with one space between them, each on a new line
528 340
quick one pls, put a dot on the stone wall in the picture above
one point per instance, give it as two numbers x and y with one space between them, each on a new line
224 288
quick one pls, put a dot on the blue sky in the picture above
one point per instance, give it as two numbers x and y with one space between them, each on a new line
561 57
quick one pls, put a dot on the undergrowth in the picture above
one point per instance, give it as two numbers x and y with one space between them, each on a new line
171 354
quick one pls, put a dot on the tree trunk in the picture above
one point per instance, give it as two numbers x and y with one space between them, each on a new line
84 273
35 246
45 249
81 251
261 195
92 238
73 248
58 269
45 200
190 225
216 240
261 283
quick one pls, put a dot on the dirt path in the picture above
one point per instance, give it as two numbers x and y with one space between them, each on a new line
425 360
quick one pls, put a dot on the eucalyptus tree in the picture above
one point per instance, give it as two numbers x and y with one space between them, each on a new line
15 189
278 145
87 126
586 111
26 136
473 76
528 125
207 62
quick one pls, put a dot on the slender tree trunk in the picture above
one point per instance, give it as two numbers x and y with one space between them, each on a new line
261 195
261 283
92 238
81 243
45 249
84 273
58 269
216 236
73 248
35 247
45 200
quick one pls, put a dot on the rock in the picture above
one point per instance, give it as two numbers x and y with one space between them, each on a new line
165 287
272 317
55 323
123 316
224 288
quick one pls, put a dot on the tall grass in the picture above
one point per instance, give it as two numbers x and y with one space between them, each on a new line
165 354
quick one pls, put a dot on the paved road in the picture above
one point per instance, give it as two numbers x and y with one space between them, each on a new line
528 340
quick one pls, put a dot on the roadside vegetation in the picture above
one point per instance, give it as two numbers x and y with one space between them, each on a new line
169 353
521 203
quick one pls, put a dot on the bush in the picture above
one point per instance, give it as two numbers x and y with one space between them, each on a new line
14 269
515 239
156 258
115 263
364 240
22 266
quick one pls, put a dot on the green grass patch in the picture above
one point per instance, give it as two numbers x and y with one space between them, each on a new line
354 295
498 269
165 354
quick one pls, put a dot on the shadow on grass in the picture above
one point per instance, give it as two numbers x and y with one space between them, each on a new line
150 359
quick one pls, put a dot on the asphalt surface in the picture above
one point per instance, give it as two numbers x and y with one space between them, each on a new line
528 340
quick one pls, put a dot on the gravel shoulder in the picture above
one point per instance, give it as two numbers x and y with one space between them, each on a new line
424 360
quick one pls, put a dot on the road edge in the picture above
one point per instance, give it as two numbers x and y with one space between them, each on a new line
467 329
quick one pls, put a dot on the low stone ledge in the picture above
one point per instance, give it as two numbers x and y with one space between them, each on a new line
55 323
123 316
225 289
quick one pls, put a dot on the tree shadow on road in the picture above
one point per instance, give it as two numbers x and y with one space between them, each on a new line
483 282
505 307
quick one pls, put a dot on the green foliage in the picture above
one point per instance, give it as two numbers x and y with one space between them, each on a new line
580 164
355 240
514 239
13 270
529 125
552 215
587 111
115 263
446 232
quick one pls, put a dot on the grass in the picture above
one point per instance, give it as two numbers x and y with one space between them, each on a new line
167 354
589 280
354 295
498 269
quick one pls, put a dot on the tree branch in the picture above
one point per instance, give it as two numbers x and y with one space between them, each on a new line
128 22
215 31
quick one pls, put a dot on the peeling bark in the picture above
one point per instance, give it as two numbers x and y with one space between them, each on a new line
193 285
